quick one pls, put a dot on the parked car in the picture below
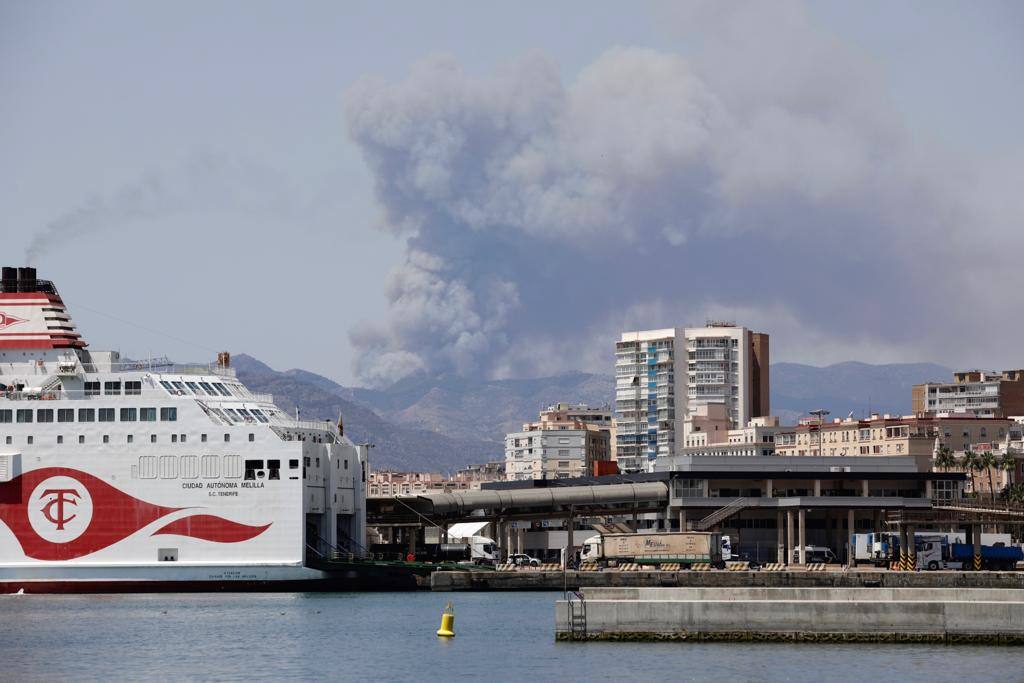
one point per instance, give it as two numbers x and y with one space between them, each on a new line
523 560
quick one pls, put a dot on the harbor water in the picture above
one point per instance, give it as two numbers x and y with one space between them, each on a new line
391 636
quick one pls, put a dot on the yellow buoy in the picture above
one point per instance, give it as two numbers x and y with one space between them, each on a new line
447 629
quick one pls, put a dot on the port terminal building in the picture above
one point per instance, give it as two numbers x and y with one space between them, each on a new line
769 505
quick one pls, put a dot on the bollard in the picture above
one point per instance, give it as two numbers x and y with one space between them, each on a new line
447 629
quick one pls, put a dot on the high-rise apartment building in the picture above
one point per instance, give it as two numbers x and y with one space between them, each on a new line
663 376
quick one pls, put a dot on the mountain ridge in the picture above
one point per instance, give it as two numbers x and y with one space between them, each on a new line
445 422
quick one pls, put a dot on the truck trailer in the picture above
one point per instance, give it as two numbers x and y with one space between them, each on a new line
683 547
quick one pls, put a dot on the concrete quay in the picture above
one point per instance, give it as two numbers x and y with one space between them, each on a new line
553 580
936 615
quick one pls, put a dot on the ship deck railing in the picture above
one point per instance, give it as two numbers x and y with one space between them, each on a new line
146 392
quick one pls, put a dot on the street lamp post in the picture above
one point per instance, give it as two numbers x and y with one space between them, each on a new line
820 413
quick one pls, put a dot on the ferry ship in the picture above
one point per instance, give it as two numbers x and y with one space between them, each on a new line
123 475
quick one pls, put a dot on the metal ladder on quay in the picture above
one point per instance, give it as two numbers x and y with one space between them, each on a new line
577 607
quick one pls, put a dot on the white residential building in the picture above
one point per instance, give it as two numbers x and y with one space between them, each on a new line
716 364
558 446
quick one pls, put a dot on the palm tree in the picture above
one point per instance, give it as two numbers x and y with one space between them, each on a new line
968 463
1008 464
945 459
988 462
1015 494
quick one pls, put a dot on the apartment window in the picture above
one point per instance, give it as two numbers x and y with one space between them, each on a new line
112 388
147 414
24 416
129 415
168 414
92 388
132 388
5 416
86 414
106 414
44 415
66 415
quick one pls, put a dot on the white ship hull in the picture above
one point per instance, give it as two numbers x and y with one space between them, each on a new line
135 476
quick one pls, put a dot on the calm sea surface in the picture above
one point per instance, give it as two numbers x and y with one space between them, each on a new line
500 636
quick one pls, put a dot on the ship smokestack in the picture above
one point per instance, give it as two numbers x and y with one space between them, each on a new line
224 360
9 279
26 279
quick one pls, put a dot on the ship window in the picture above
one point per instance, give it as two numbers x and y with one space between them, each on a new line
252 437
81 438
167 386
202 437
346 463
193 386
8 441
174 438
318 462
132 388
233 415
129 415
147 414
29 440
274 469
189 467
60 439
131 438
44 415
92 388
254 469
24 416
112 388
245 414
293 464
66 415
179 387
168 414
221 390
227 437
182 438
258 414
106 414
208 389
86 414
5 416
167 554
106 438
305 461
152 438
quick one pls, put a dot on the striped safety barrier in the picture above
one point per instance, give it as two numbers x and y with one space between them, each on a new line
670 566
588 566
977 563
737 566
773 567
628 567
816 567
701 566
505 567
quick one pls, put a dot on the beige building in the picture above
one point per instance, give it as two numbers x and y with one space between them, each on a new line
974 392
560 444
916 436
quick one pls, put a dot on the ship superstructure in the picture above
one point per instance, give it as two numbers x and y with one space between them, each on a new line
144 473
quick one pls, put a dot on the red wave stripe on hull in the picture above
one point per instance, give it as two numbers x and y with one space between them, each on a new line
212 528
116 514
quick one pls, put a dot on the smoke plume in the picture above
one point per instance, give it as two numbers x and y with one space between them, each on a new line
767 175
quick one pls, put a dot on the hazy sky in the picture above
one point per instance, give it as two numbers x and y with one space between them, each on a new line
370 189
